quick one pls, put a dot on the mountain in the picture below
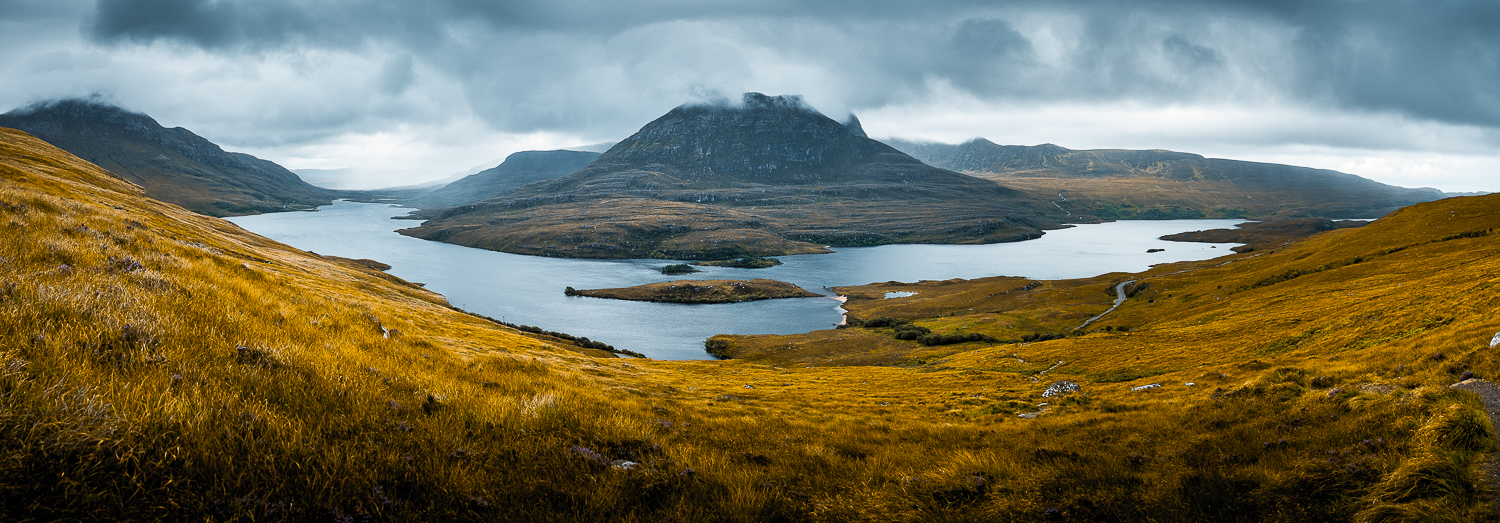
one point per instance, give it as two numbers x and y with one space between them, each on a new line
173 165
1120 184
766 176
518 169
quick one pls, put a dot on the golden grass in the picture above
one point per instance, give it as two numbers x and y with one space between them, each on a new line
156 364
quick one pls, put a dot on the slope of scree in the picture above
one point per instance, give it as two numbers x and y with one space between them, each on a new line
764 177
1156 184
174 165
156 364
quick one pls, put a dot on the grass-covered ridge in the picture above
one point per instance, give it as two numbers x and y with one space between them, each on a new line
159 365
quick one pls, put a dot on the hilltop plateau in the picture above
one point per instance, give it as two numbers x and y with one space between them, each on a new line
766 176
1116 184
163 365
173 165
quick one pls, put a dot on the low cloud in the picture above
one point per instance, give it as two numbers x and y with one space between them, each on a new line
289 73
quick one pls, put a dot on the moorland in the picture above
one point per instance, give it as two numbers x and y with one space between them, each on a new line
160 364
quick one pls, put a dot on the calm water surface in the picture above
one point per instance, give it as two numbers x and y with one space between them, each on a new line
528 290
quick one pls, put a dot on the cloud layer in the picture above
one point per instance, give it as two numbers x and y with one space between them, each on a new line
283 75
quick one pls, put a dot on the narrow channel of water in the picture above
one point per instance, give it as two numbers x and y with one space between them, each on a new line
529 289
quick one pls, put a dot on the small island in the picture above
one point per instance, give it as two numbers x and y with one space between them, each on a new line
701 291
681 268
744 262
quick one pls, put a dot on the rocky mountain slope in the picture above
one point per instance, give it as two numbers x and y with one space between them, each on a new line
173 165
765 176
1127 184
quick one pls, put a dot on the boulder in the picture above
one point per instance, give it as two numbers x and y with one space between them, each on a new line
1061 388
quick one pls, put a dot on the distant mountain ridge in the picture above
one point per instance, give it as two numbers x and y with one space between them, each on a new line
518 169
1118 183
173 165
766 176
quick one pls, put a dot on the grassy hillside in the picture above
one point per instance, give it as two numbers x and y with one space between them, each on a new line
161 365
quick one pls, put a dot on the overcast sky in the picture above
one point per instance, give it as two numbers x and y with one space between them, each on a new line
1403 92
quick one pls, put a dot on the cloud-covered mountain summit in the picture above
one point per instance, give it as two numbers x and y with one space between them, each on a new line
766 142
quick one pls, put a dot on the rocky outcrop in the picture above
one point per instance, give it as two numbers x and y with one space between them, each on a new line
1061 388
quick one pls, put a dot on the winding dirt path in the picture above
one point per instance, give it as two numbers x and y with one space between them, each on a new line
1119 298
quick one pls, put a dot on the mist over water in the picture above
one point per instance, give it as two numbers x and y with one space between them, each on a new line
528 290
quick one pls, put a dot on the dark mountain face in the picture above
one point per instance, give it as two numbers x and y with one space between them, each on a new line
173 165
774 140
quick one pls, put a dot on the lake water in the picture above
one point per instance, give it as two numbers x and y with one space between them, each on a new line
528 290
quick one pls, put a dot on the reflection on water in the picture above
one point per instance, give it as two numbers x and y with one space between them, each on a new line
528 290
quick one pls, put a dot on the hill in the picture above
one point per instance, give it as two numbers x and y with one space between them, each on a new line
163 365
1157 184
518 169
173 165
766 176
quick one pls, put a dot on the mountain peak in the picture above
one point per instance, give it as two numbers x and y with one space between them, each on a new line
85 109
852 122
753 101
763 139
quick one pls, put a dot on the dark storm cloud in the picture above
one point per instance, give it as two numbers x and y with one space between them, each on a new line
397 74
987 55
1438 60
556 64
204 23
1189 55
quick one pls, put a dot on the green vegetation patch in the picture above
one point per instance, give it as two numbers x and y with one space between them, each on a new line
679 268
744 262
1127 211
